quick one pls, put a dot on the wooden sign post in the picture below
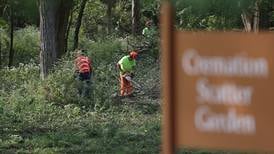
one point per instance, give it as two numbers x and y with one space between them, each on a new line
218 89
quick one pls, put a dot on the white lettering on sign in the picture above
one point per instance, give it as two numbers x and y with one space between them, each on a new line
239 66
229 123
227 94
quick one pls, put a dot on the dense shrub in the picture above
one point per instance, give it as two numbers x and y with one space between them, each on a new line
49 117
14 77
26 44
4 42
103 51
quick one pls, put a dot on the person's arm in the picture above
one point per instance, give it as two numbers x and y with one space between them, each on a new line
133 69
120 63
90 65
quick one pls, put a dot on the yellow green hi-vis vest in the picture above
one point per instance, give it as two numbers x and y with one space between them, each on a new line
126 64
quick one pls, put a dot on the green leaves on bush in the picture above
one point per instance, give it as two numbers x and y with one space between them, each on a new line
26 44
48 116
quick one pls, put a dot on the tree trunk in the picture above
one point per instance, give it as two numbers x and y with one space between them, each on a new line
109 16
135 17
62 20
251 18
78 23
11 52
53 24
246 21
256 20
68 30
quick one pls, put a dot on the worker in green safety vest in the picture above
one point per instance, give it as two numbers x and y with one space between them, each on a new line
149 31
126 66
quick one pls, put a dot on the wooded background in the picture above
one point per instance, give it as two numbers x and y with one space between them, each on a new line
96 19
40 109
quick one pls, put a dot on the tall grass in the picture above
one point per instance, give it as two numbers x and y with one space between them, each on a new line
49 117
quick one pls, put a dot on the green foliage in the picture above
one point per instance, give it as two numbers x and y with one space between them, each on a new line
15 77
210 14
147 46
151 8
3 23
25 11
4 42
267 14
60 86
213 23
93 20
26 44
104 51
49 117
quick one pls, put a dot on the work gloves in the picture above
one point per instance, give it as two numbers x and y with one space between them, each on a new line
128 78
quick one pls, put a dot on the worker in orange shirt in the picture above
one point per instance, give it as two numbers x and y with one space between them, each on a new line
83 71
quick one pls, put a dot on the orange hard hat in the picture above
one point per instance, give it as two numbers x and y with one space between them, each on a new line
133 54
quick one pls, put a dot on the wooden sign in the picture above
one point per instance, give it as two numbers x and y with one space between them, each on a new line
218 89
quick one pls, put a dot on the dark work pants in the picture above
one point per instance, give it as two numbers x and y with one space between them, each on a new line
84 84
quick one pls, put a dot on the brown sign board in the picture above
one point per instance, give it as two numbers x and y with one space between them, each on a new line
218 89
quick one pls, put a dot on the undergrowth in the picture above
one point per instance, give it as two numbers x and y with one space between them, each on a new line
49 117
